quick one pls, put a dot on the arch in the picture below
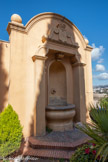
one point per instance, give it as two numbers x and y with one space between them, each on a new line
57 84
46 15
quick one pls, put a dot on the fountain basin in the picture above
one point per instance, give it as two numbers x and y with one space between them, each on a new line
60 118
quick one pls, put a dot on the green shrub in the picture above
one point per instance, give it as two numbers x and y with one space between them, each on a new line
10 131
86 153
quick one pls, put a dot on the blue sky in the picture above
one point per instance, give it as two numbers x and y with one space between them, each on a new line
90 16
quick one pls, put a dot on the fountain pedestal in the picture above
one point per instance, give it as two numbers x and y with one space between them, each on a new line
60 118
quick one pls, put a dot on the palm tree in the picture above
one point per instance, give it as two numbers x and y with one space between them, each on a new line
98 130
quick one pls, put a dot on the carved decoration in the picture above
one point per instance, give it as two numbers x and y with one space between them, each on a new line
59 56
59 30
38 58
75 59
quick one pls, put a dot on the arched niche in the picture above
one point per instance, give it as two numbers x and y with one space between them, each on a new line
57 84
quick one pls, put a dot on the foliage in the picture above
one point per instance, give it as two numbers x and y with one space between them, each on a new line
104 102
10 131
98 130
86 153
61 160
49 130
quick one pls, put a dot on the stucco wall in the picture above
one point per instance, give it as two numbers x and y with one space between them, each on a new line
4 73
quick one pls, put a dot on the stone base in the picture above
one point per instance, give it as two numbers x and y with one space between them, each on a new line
60 127
60 118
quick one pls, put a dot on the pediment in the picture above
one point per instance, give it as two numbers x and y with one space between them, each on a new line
59 33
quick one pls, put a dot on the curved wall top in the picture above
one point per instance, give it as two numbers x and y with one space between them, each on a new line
52 16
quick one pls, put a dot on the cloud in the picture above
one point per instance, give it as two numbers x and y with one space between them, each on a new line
101 76
85 37
100 61
97 52
100 67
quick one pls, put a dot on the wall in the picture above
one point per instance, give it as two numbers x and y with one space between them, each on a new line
4 73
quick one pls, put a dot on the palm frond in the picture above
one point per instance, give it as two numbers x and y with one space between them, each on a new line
98 130
99 118
92 133
105 153
101 152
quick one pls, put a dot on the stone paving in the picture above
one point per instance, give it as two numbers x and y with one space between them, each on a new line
66 136
55 145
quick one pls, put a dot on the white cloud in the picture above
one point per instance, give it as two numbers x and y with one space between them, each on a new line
85 37
100 60
97 52
100 67
101 76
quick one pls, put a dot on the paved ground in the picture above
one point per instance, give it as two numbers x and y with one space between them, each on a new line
67 136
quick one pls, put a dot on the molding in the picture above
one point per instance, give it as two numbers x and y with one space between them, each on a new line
89 48
3 41
60 47
46 39
78 64
15 26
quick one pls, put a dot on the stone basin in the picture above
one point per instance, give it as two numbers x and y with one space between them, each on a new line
60 118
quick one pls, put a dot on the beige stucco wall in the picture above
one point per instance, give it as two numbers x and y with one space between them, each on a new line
26 60
88 82
4 73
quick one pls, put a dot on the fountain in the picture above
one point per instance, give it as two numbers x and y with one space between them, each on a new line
59 114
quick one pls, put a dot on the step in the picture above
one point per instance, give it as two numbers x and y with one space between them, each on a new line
48 153
55 145
36 143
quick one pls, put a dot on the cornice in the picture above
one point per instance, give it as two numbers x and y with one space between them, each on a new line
3 41
15 26
76 46
89 48
78 64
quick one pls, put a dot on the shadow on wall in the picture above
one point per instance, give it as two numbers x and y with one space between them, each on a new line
3 80
38 119
39 112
